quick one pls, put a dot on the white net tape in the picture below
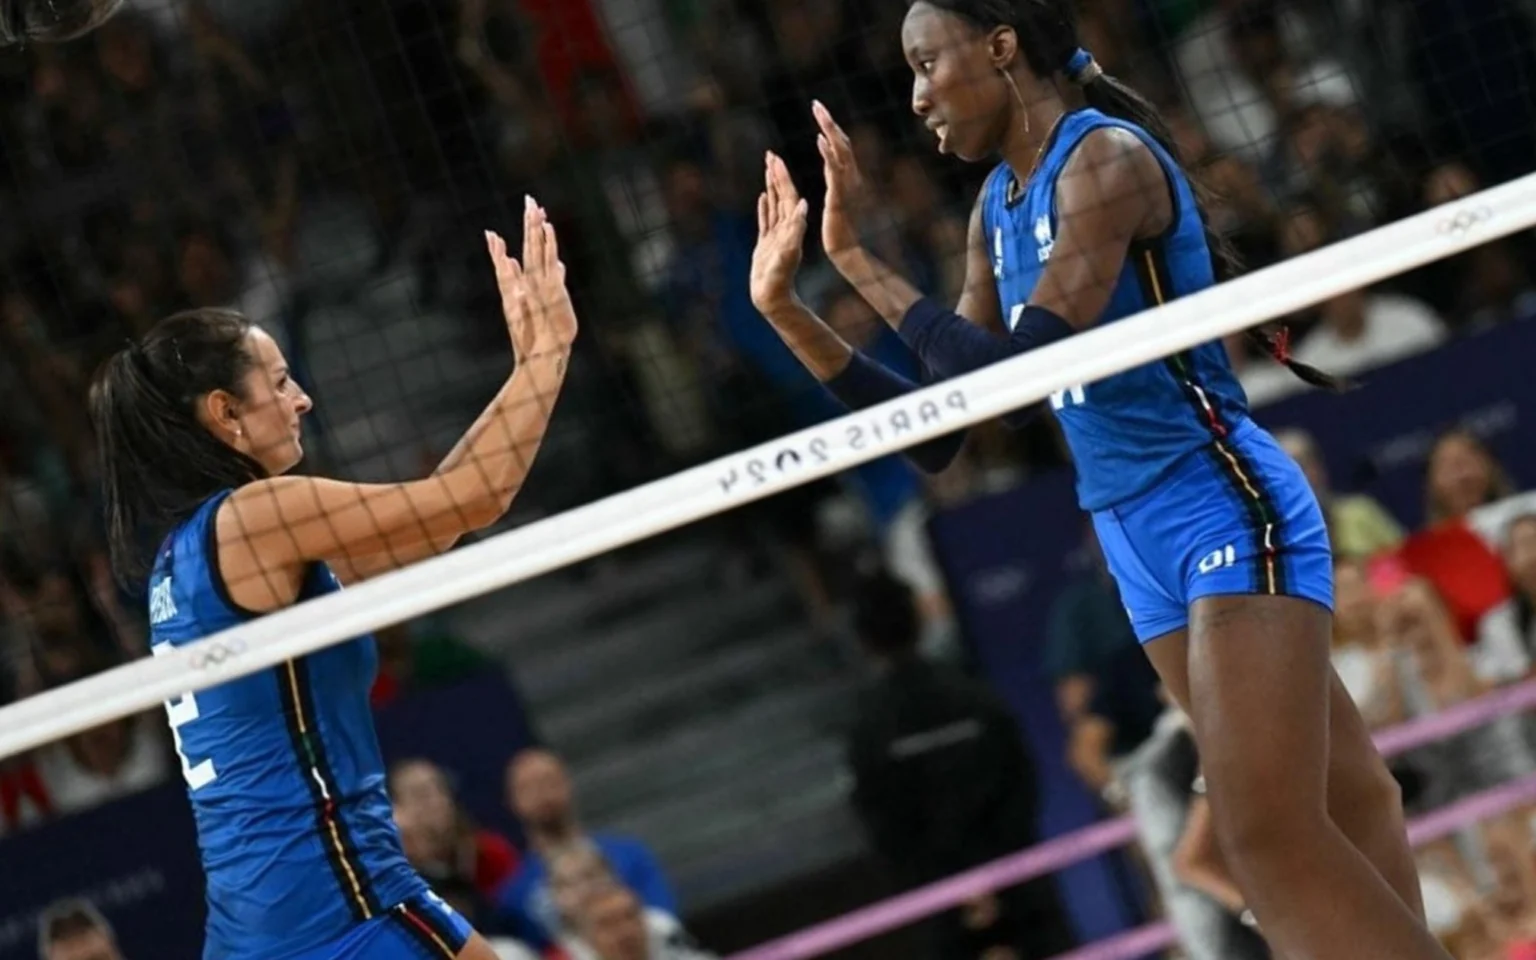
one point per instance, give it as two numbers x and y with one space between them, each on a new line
770 468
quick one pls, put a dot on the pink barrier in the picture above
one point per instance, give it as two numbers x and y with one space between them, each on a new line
1062 851
1157 936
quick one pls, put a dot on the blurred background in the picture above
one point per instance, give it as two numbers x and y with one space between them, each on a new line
706 716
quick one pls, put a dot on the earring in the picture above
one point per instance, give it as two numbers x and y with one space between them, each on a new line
1017 95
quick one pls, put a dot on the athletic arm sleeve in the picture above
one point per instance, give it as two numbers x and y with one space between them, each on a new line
865 383
951 345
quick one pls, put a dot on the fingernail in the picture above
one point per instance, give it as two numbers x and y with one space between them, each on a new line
528 203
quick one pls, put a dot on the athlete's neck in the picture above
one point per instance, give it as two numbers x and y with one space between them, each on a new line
1033 123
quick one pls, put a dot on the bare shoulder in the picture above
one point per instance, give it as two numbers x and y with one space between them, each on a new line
1112 167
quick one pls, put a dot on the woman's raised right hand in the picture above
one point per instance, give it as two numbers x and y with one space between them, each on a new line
781 214
534 298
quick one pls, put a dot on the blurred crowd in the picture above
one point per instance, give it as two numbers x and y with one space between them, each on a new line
198 152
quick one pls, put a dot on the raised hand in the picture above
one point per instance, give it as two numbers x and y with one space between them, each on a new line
781 217
534 298
845 186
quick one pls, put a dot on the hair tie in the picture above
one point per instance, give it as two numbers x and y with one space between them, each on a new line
1280 346
1082 69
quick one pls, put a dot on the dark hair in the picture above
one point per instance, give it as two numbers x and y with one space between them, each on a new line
1499 484
69 918
885 614
158 462
1047 33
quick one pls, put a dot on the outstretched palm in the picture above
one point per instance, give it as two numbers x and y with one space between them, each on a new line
845 186
534 297
781 216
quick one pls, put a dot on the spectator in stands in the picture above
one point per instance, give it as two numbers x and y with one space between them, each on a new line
439 837
1355 331
1506 635
1365 662
1469 577
1462 476
1358 526
1363 329
1451 900
539 795
106 762
942 781
1492 282
1198 861
73 929
612 923
1439 675
576 874
1088 631
1510 901
1243 62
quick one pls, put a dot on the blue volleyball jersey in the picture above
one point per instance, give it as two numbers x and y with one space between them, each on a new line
1129 430
283 770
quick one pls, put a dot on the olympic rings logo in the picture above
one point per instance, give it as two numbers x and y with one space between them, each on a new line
1465 221
218 654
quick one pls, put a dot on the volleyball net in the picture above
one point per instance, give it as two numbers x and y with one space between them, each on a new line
767 469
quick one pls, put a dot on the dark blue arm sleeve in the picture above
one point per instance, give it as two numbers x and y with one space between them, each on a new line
865 383
951 345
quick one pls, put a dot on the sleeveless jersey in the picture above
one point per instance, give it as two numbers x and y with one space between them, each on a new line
1127 431
283 770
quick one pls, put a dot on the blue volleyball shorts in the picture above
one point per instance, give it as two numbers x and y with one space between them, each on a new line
421 928
1236 517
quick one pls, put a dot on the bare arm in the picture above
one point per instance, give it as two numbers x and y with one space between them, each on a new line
882 287
270 531
1197 860
520 412
1111 193
855 380
1088 751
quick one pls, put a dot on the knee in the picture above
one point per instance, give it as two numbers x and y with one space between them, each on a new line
1256 827
1364 794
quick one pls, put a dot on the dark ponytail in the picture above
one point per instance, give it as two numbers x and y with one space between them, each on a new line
1048 39
158 462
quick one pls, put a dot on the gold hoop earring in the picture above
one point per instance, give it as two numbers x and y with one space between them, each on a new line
1017 94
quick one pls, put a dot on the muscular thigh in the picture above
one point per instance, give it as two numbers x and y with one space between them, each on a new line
1355 769
1259 681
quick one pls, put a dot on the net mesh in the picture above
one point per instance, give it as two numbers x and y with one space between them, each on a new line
327 168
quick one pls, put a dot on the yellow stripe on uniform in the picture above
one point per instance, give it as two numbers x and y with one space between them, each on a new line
328 812
1269 527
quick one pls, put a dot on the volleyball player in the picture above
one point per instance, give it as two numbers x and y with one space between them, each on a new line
1213 536
198 425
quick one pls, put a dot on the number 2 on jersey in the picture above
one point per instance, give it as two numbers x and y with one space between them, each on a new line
1074 396
183 710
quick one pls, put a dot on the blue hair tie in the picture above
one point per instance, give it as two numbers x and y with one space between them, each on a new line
1082 68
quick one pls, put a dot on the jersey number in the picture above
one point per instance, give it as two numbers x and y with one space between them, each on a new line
1073 396
183 710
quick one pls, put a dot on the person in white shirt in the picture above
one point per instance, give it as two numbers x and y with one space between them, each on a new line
1505 649
1363 329
614 925
578 874
1360 330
